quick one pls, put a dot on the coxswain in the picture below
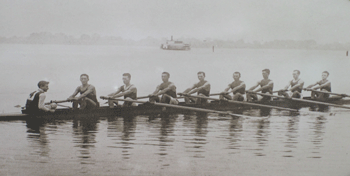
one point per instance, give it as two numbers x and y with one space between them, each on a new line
266 86
167 89
237 87
36 101
323 85
127 90
296 87
202 88
87 98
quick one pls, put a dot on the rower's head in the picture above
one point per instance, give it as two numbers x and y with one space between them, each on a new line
325 75
43 85
296 74
236 76
126 78
84 78
201 75
165 76
266 73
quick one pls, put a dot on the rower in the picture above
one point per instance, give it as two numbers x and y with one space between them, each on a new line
237 88
323 85
266 86
36 100
202 88
87 98
128 90
167 89
296 87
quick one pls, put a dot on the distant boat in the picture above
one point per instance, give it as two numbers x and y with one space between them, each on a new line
175 45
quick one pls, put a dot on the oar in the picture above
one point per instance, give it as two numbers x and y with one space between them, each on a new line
60 101
142 97
243 102
343 95
302 100
177 106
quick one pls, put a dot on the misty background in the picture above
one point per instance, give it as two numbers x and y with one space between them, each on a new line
321 24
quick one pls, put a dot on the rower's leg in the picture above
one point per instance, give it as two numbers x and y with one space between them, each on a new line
226 96
201 100
238 97
154 99
188 100
75 104
112 102
164 99
82 104
249 97
314 95
90 104
296 94
253 97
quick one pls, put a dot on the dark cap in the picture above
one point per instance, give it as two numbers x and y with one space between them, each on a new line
42 83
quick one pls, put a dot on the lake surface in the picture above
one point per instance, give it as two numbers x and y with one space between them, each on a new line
312 143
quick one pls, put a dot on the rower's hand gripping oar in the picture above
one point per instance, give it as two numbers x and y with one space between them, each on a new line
241 102
176 106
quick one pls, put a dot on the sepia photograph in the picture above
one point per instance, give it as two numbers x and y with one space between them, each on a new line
174 87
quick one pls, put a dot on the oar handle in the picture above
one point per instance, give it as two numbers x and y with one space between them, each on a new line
59 101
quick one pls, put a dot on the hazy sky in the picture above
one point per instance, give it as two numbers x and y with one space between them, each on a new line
261 20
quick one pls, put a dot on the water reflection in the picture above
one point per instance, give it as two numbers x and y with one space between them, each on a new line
235 134
122 130
292 135
198 140
262 135
84 130
38 140
318 130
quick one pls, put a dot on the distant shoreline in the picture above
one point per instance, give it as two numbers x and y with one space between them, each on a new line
95 39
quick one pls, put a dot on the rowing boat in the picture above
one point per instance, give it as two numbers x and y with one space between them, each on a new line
148 109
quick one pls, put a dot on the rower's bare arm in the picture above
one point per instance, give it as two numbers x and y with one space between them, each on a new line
287 86
255 86
171 86
189 89
206 86
326 84
87 92
130 90
227 89
156 91
41 104
312 85
242 85
300 84
114 93
269 85
74 94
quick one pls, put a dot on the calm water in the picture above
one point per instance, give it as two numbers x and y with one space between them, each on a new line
202 144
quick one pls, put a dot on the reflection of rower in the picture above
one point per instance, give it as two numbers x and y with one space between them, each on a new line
266 86
296 87
36 100
128 90
202 88
167 89
237 88
323 85
87 98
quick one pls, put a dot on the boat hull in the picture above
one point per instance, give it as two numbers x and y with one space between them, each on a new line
149 109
